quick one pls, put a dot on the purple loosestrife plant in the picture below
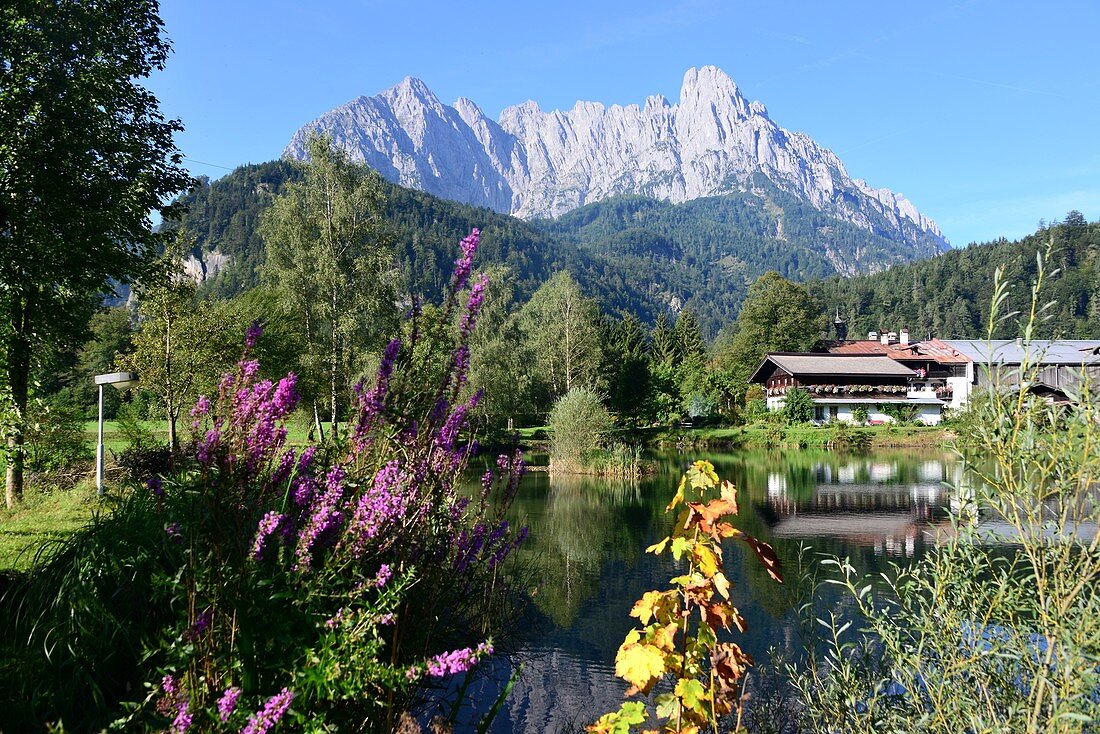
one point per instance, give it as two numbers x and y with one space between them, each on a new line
339 552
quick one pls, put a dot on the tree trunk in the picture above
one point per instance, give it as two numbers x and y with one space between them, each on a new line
334 366
317 425
19 369
171 409
173 439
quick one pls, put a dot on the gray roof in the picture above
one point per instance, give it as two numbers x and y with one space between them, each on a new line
834 364
1044 351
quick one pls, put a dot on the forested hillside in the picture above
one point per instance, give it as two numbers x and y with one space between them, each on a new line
634 254
949 296
223 215
705 253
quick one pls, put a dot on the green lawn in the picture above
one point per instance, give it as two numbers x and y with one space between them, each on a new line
114 440
42 517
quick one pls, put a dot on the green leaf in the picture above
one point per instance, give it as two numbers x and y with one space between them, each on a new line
632 712
679 547
692 693
667 705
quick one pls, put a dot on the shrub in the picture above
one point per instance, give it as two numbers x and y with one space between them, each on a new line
900 413
860 414
579 423
755 411
798 406
55 437
145 455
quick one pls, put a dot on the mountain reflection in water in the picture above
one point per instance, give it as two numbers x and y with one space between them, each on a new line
586 553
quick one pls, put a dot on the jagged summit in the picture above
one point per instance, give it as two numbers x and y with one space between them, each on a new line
540 164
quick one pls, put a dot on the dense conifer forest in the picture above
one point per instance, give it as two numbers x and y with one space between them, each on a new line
632 254
949 296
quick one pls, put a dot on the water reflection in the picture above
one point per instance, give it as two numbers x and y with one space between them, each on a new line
586 552
884 504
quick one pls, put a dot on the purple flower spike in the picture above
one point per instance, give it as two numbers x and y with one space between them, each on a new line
268 525
252 333
182 722
457 661
372 402
466 258
473 306
274 710
227 704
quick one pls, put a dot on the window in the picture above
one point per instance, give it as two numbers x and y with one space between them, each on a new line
819 412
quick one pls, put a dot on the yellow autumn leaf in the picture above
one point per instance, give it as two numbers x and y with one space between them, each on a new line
650 605
722 584
729 494
679 496
665 637
657 548
705 559
640 665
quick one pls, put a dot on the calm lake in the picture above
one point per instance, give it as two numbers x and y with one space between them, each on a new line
586 550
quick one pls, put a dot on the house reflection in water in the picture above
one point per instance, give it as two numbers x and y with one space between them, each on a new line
884 505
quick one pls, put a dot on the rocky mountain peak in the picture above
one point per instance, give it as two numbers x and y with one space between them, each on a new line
538 164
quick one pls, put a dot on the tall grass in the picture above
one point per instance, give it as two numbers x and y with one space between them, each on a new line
998 628
77 623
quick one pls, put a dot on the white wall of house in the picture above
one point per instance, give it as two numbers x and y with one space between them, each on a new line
929 414
960 389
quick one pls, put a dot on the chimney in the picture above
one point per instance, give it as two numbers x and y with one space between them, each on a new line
872 336
904 338
841 327
885 338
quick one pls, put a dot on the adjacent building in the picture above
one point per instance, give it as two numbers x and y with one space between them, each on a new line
1061 364
939 368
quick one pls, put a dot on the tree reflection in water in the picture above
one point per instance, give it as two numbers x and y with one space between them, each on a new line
588 535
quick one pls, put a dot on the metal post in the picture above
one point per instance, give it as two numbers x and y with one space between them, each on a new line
99 447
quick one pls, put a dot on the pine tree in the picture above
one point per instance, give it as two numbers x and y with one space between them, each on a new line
662 344
629 374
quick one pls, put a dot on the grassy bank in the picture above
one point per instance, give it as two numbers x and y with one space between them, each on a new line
42 517
763 435
115 440
805 436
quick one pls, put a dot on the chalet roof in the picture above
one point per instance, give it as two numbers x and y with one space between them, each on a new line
814 365
934 349
1042 351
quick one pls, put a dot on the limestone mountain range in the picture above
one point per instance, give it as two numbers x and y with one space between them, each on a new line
538 165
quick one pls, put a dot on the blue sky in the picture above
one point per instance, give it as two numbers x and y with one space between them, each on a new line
985 114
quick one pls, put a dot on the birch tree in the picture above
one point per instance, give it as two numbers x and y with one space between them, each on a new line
182 345
563 329
329 256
